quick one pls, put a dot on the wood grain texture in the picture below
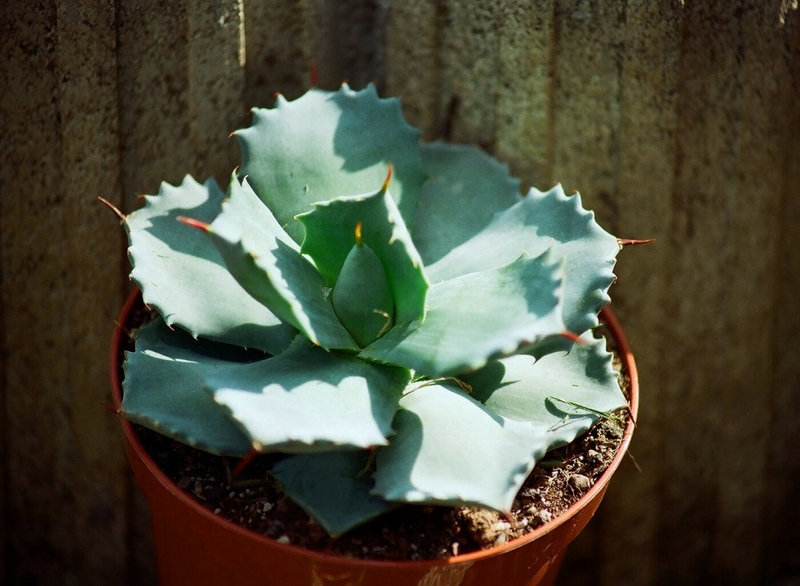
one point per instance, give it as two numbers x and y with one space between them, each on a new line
62 279
277 58
782 517
676 120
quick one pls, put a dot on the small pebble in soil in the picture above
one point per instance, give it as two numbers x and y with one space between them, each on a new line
580 482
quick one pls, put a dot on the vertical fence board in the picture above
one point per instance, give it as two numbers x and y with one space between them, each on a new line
468 91
696 237
413 64
152 66
703 404
153 56
525 83
278 58
348 40
216 85
30 164
61 286
646 160
586 107
89 166
584 124
500 100
782 515
751 288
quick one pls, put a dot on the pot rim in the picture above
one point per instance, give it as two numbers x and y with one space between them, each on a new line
607 317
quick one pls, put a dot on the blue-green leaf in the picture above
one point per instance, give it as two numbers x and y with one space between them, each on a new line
541 221
476 317
310 400
163 389
450 449
466 188
334 488
182 275
563 393
362 297
269 265
330 228
325 144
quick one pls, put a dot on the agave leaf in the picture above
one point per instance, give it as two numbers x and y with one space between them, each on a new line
476 317
310 400
268 265
464 182
544 220
362 298
562 393
329 238
163 389
347 139
450 449
333 488
182 275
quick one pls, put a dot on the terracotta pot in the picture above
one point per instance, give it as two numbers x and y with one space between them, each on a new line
196 547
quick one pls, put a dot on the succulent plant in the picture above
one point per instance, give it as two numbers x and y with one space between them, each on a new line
392 316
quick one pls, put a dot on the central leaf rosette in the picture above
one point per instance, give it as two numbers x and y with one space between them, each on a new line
364 252
441 354
357 284
362 297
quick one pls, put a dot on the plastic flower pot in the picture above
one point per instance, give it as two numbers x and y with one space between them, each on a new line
194 546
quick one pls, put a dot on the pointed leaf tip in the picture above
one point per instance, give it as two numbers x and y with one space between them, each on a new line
385 186
634 241
194 223
572 337
314 73
112 207
359 239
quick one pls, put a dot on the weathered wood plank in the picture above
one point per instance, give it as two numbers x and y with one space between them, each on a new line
499 98
38 547
277 49
61 285
153 57
782 516
413 63
586 124
586 106
524 79
752 287
646 158
90 165
182 65
152 65
691 396
215 93
467 89
348 39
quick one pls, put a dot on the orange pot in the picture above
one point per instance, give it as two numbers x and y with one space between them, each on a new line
194 546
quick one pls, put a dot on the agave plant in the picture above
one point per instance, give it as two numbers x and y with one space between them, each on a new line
392 316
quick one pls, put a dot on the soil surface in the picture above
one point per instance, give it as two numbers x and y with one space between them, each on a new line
412 532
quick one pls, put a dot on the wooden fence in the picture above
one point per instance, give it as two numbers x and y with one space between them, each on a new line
678 120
